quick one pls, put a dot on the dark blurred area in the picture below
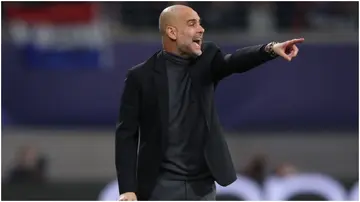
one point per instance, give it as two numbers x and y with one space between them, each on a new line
292 128
29 167
269 16
225 16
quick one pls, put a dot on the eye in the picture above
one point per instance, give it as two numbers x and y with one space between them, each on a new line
192 23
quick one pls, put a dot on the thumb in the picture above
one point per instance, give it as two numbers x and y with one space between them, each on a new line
283 54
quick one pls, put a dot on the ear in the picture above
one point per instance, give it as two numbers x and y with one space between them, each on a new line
171 32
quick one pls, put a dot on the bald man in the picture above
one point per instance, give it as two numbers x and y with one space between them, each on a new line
169 144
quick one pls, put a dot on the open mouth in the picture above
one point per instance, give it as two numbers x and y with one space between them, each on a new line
197 41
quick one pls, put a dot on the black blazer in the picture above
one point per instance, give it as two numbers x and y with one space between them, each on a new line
144 110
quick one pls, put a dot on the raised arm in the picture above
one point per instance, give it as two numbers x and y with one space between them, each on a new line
249 57
240 61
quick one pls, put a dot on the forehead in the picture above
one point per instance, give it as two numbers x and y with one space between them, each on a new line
188 14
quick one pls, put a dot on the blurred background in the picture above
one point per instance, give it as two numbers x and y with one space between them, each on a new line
292 128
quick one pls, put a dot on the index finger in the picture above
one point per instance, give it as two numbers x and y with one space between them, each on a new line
294 41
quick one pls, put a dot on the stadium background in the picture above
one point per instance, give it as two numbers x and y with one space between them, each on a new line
63 67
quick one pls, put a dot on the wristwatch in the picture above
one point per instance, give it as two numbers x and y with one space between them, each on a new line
269 49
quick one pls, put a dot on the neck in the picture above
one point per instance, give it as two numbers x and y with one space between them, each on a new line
175 59
170 47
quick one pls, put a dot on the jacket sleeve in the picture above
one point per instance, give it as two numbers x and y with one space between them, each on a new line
241 61
126 136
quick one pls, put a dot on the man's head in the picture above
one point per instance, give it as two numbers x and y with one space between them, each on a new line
181 30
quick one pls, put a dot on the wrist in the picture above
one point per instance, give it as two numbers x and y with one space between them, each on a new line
269 48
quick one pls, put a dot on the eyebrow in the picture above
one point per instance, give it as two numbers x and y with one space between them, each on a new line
194 20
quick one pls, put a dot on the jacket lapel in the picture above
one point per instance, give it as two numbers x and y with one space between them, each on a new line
162 92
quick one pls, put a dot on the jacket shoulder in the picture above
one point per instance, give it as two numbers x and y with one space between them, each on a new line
136 68
134 72
143 66
209 46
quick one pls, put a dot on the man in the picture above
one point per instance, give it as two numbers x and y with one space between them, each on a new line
169 144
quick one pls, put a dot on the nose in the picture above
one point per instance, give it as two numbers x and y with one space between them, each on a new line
201 29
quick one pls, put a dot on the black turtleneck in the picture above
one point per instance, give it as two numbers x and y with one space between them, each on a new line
184 156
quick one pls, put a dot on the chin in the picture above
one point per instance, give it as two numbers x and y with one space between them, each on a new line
197 52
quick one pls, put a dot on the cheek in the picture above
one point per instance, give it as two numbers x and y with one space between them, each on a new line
187 35
190 33
185 39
